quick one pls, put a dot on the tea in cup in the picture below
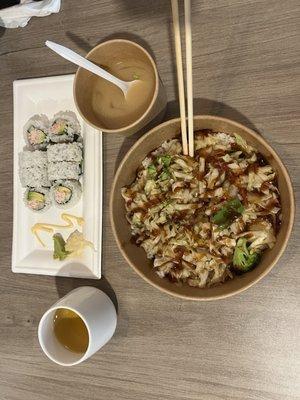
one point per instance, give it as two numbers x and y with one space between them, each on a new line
77 326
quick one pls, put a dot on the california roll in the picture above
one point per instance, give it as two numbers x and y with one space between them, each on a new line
65 193
36 132
64 127
37 199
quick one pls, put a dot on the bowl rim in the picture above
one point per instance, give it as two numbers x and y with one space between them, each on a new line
153 100
287 178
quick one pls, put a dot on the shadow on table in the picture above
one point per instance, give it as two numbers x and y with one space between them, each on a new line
2 31
129 141
202 106
84 45
145 9
65 284
81 43
132 37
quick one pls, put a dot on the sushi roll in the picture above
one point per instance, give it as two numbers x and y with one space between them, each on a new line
64 127
36 132
63 170
37 199
33 169
65 194
65 152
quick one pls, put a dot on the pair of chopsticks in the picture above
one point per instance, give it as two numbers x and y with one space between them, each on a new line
187 141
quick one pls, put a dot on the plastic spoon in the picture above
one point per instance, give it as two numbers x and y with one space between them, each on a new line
75 58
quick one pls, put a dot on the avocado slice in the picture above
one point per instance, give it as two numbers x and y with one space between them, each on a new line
64 189
36 196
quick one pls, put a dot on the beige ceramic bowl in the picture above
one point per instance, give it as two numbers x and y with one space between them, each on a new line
136 257
84 85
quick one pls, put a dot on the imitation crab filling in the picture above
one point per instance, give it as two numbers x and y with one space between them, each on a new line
59 127
35 136
35 200
62 194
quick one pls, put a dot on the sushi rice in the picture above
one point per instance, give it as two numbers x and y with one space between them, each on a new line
65 152
63 170
33 170
37 199
65 193
64 127
36 132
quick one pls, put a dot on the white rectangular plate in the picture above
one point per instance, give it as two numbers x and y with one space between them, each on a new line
48 96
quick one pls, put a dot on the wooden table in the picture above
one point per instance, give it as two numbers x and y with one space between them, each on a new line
246 67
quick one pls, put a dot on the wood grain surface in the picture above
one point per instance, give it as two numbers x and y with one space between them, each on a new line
246 67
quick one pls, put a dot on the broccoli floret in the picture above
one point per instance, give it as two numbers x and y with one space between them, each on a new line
243 260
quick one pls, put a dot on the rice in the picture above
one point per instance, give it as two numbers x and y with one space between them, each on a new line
35 132
33 169
65 193
64 127
65 152
63 170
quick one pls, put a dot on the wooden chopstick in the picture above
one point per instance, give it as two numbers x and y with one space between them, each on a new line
187 142
180 80
189 74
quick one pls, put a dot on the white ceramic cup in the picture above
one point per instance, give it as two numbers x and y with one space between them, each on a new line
97 312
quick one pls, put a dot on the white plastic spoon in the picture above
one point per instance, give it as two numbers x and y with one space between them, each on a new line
75 58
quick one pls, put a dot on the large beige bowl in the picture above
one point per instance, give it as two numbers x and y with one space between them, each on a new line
136 256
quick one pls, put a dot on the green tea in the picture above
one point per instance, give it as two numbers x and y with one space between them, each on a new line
70 330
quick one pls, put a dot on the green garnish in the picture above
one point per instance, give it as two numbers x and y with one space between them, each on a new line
227 214
165 160
136 76
164 175
59 252
243 260
239 140
241 143
151 171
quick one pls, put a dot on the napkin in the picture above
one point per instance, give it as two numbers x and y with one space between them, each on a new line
19 15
